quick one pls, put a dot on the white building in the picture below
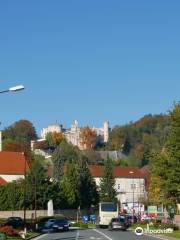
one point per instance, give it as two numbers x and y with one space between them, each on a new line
73 134
129 184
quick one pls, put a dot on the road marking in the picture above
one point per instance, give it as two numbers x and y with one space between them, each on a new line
103 234
77 234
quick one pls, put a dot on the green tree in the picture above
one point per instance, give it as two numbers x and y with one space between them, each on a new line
88 194
64 152
12 196
107 183
68 185
39 188
166 164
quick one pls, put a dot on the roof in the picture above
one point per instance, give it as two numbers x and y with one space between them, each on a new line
121 172
12 163
2 181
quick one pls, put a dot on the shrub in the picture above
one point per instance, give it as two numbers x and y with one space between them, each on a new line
80 224
9 230
165 226
2 221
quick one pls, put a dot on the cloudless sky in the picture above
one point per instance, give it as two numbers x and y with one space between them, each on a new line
88 60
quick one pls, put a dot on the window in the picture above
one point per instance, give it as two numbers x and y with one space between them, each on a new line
119 186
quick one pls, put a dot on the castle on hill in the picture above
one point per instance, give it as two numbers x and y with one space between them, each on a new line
72 134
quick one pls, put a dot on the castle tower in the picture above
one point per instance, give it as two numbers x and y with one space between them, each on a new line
74 126
106 131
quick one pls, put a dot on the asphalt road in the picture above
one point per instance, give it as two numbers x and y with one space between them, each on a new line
94 234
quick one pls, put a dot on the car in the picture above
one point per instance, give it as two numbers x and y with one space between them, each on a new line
120 222
15 222
56 224
60 224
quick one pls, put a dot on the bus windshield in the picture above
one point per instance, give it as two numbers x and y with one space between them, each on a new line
108 207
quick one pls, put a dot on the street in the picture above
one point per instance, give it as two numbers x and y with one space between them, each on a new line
93 234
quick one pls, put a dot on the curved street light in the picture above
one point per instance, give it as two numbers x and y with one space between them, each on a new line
13 89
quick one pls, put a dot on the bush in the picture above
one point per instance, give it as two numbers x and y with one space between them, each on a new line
80 224
9 230
2 221
165 226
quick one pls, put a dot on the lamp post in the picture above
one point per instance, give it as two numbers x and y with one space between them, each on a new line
13 89
131 172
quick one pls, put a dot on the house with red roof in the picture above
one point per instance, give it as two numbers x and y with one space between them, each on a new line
129 184
12 166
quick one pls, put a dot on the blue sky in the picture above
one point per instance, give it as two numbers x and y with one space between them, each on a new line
88 60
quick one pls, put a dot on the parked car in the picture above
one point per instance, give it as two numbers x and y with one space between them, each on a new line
53 225
15 222
119 223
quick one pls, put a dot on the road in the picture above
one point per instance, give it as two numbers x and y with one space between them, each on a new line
94 234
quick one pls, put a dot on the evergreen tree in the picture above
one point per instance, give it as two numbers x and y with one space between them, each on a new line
107 183
68 185
88 194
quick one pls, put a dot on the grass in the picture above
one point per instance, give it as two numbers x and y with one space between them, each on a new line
29 234
175 234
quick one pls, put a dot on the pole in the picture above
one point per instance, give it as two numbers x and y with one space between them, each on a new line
133 203
24 194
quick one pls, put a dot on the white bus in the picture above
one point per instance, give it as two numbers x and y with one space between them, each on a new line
107 211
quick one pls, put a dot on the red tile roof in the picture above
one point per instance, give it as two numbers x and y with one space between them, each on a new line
2 181
12 163
121 172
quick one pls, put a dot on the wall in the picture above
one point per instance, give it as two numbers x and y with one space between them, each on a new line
10 178
72 213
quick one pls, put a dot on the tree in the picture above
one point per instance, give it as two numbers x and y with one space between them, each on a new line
21 131
88 194
39 188
107 183
87 138
12 196
54 139
68 185
166 164
64 152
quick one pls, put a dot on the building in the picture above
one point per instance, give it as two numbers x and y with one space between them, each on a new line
12 166
73 134
129 184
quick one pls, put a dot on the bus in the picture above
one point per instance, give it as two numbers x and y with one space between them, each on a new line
107 211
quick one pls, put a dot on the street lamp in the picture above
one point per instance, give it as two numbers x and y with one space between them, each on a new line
13 89
131 172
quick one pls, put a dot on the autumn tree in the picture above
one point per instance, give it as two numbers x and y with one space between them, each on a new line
87 138
54 139
21 131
